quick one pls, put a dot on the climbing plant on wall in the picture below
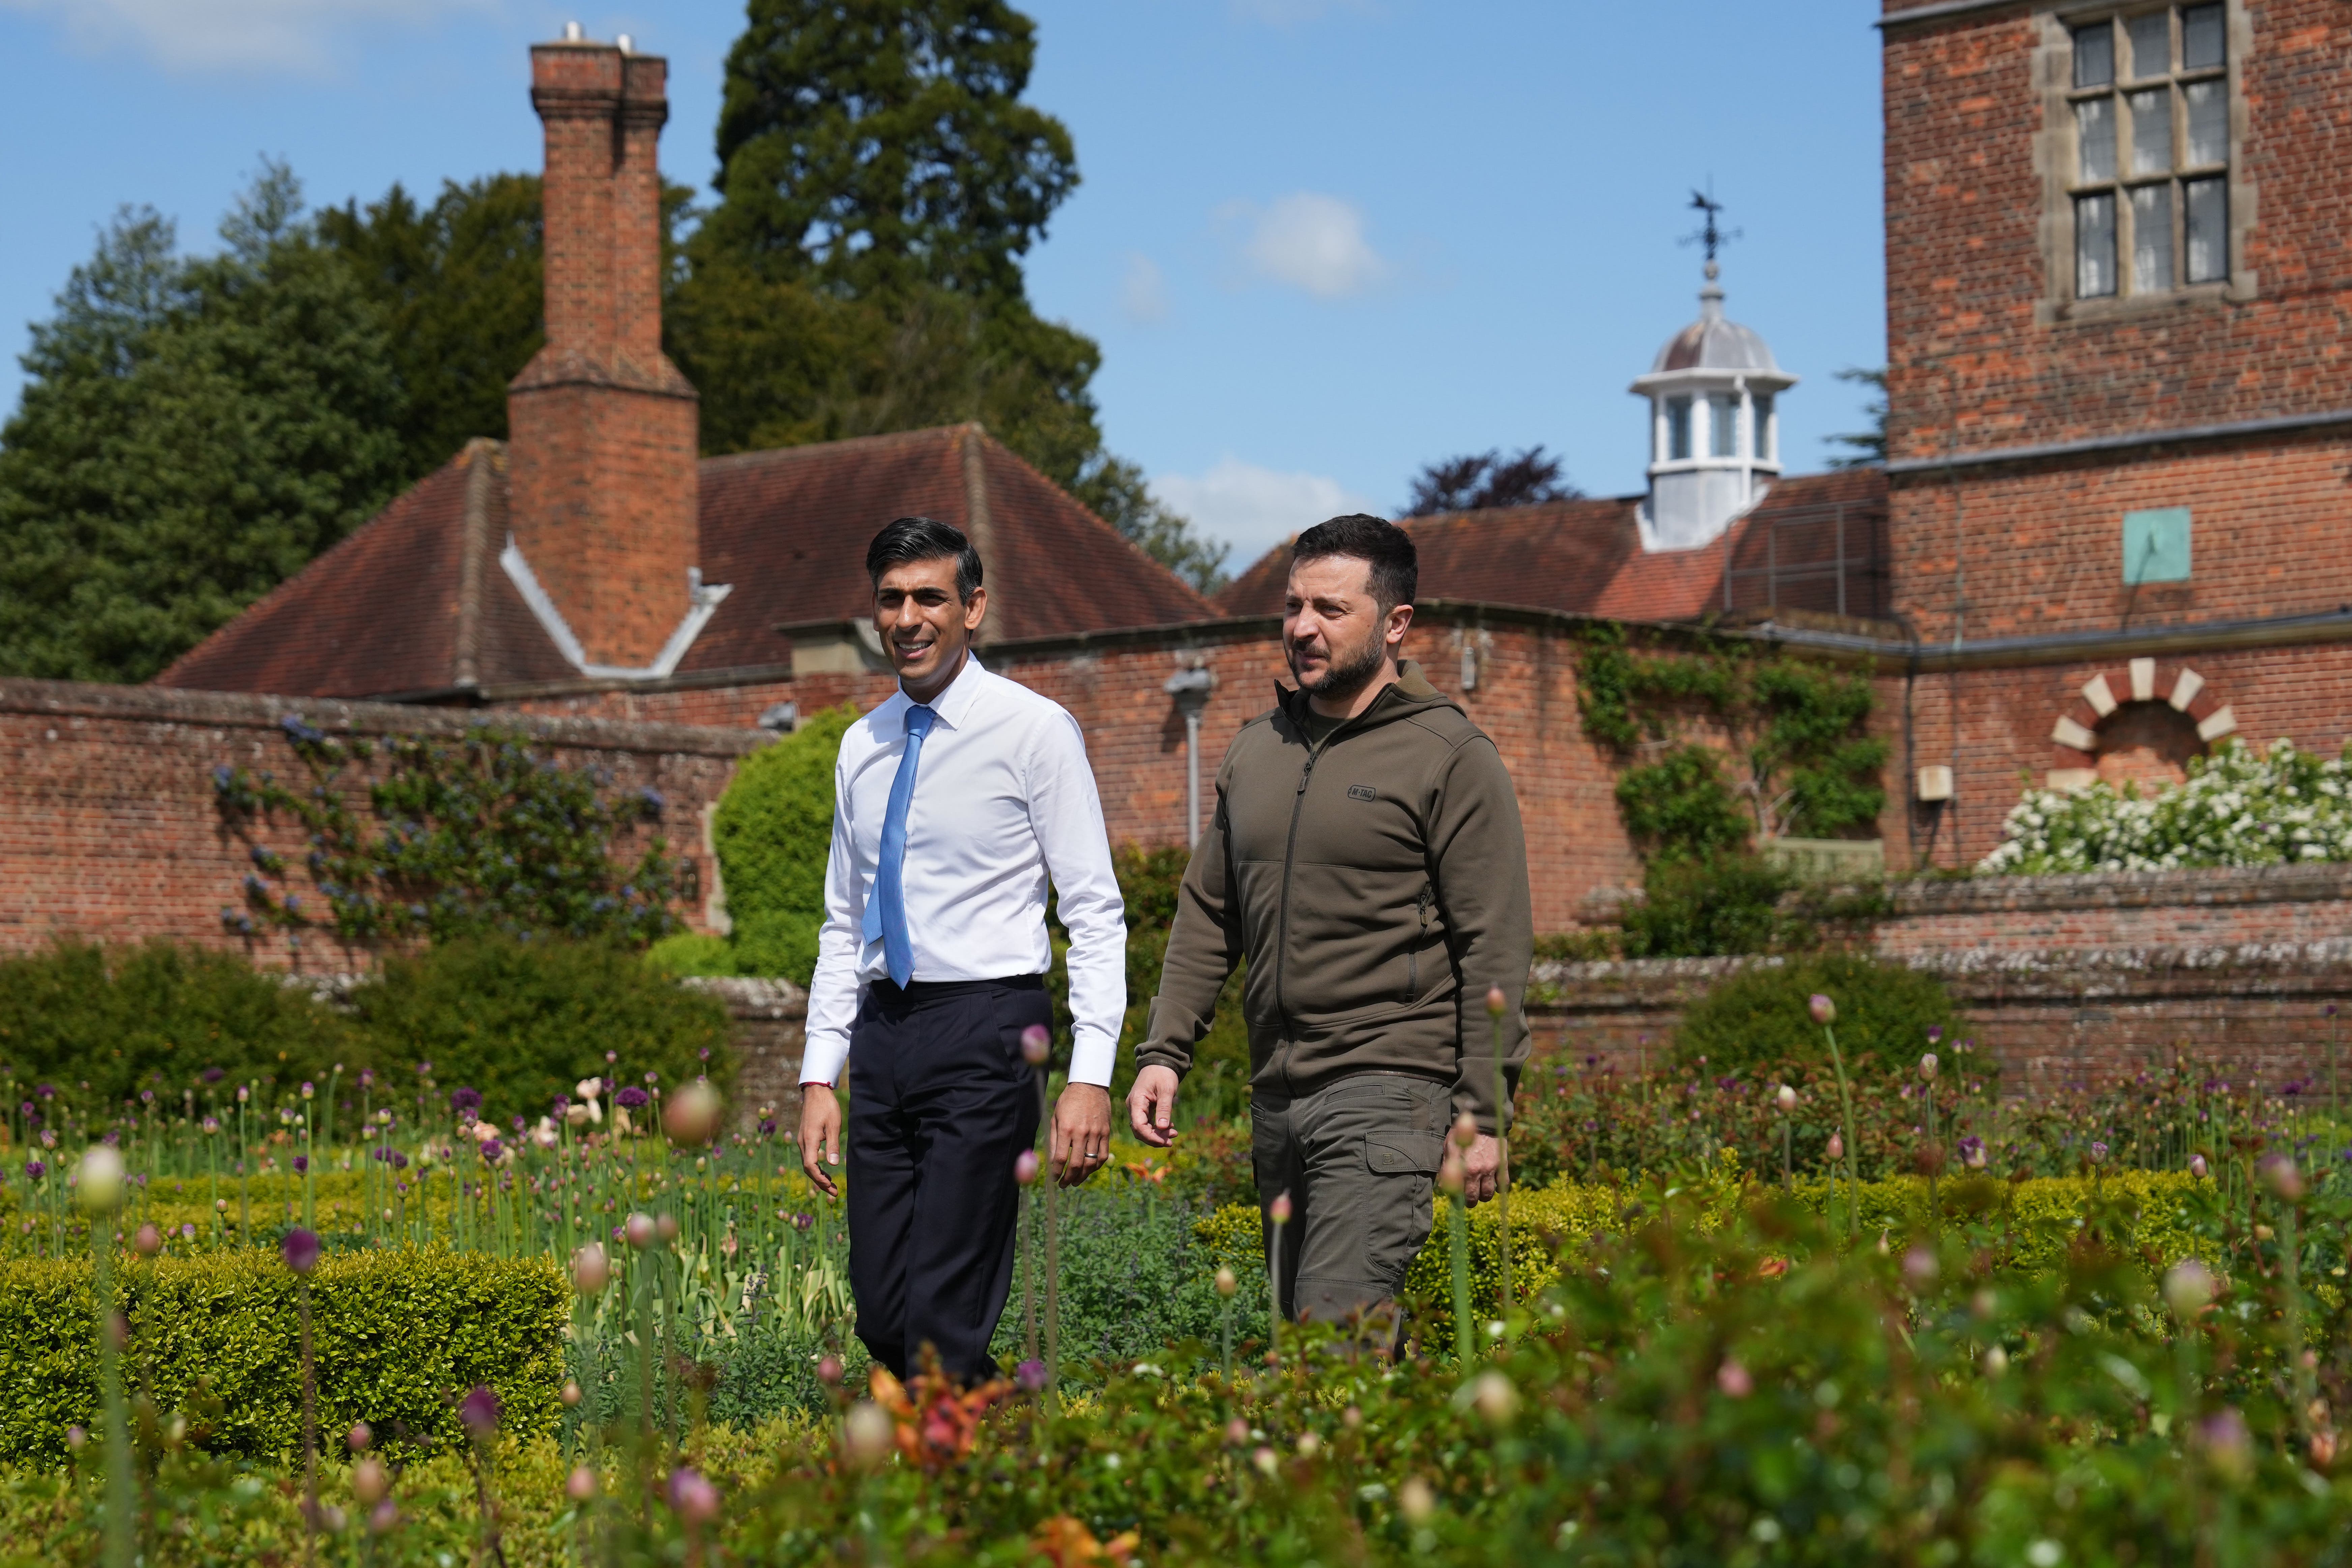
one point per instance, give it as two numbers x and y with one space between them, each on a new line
480 836
1722 745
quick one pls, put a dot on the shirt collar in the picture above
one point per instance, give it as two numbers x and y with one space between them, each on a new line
954 705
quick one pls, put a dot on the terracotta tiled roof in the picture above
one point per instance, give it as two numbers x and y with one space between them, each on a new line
415 603
788 529
1582 557
412 603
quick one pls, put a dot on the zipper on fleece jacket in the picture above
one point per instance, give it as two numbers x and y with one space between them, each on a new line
1281 924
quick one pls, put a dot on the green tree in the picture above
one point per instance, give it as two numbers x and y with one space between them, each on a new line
879 181
191 432
1864 449
458 285
874 144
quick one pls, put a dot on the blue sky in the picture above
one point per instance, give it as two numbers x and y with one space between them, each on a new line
1320 241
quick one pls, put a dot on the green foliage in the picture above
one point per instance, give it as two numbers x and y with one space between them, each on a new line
523 1021
398 1335
1679 807
191 432
773 833
870 144
458 287
1738 745
1132 1281
1217 1087
477 837
1727 902
126 1018
1758 1015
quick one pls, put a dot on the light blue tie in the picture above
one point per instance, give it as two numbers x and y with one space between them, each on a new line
890 875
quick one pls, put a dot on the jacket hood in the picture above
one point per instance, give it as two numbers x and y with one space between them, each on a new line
1408 694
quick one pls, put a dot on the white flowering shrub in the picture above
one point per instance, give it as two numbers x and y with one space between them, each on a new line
2237 807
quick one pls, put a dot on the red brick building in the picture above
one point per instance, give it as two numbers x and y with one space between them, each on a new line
2119 435
2108 534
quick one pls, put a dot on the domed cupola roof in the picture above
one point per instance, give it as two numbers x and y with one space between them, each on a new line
1711 342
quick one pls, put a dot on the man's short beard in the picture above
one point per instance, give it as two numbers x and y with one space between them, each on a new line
1343 681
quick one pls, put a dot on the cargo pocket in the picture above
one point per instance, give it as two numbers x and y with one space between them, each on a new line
1404 1153
1398 1212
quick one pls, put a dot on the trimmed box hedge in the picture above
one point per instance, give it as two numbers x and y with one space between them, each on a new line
2039 1218
399 1336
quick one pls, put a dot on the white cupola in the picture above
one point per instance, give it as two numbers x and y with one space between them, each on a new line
1715 438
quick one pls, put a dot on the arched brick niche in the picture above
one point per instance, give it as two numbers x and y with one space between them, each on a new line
2139 722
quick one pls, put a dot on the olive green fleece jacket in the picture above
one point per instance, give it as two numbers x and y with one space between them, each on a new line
1378 886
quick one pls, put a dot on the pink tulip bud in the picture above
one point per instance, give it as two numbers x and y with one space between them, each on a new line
1452 1173
1036 1042
1928 1065
570 1393
592 1269
1496 1003
1024 1166
828 1371
369 1482
359 1438
2197 1166
1734 1380
149 1241
1278 1210
666 1227
1837 1146
580 1484
1466 1130
640 1230
1824 1011
696 1499
1787 1100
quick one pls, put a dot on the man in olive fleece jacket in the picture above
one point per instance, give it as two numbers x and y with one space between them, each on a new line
1367 858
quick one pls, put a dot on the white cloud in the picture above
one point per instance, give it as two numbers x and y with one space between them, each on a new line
1255 508
1143 294
196 35
1313 242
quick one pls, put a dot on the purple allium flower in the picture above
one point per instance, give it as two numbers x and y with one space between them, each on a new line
632 1098
466 1101
302 1165
1031 1374
493 1152
479 1411
34 1170
1972 1151
301 1250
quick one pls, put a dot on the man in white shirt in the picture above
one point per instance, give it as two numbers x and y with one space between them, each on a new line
955 803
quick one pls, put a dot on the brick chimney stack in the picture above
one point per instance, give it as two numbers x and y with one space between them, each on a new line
602 427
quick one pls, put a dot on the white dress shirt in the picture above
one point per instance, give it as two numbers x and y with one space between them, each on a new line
1004 801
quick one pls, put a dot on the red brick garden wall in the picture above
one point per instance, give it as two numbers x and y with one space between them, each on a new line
108 828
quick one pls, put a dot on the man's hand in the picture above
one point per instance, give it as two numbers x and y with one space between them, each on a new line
820 1135
1482 1165
1152 1106
1081 1142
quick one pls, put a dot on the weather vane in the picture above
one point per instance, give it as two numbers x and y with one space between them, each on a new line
1711 236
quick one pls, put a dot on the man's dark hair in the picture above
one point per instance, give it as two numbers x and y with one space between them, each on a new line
1385 547
905 540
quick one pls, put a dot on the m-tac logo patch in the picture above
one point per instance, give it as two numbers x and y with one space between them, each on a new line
1362 792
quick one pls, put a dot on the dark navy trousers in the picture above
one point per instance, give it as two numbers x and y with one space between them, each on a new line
940 1104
